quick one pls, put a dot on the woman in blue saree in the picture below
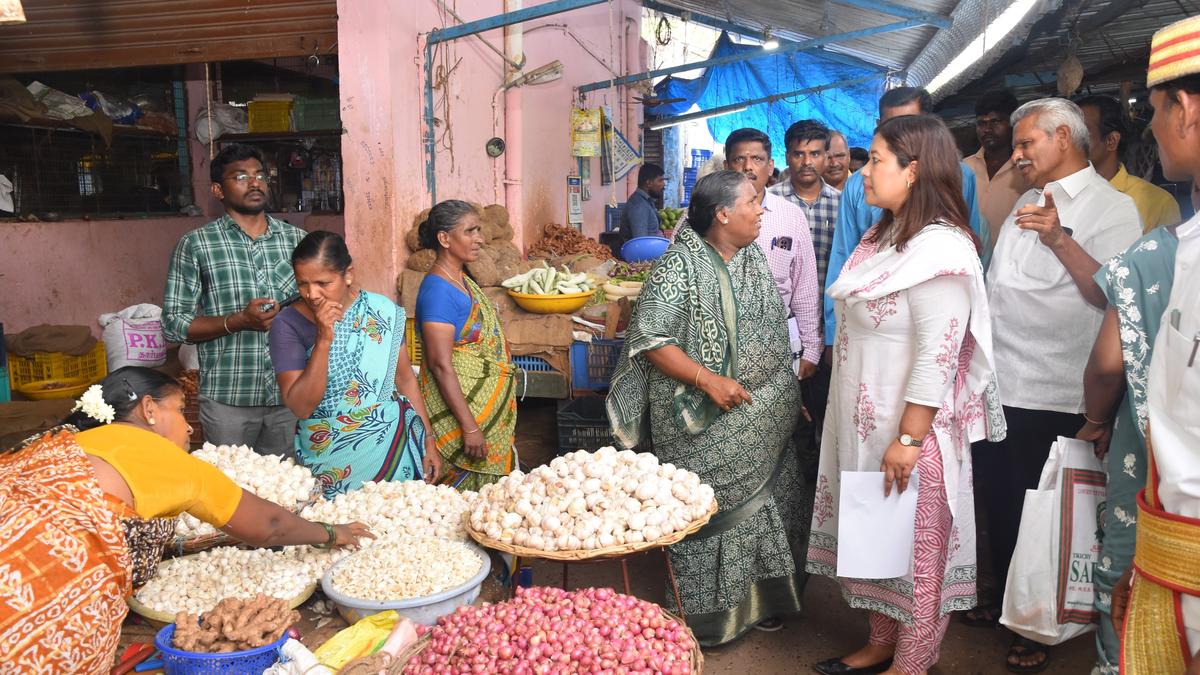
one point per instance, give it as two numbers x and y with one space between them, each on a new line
343 369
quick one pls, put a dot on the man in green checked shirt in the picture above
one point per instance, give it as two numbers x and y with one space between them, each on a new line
224 285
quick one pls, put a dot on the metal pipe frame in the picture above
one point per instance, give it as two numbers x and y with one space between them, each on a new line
440 35
742 105
802 46
739 29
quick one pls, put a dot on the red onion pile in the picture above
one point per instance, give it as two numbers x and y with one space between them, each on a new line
552 631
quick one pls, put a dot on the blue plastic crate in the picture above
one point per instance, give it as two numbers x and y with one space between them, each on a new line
533 364
179 662
612 217
593 363
699 157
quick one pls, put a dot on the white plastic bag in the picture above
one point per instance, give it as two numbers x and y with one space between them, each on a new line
134 337
1049 597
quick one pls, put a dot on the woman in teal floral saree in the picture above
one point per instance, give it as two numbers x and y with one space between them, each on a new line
342 368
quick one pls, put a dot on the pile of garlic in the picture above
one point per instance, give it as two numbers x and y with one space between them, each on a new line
393 508
586 501
196 583
405 567
271 477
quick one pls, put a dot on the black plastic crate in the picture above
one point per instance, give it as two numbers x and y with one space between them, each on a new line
583 424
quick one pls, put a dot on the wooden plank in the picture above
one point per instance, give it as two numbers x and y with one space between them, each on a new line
89 34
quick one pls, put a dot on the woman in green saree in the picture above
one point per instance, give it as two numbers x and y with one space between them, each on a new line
706 377
467 374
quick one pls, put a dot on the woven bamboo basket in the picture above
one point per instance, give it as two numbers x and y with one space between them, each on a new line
592 554
414 650
159 619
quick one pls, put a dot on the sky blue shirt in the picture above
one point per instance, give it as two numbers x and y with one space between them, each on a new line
856 216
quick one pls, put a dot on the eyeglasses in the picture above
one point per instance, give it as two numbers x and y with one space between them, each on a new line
743 160
242 178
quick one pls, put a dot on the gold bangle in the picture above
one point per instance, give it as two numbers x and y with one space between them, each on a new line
699 370
470 431
225 322
1097 423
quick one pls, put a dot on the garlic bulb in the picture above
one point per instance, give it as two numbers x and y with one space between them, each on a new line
594 500
394 508
270 477
405 567
196 583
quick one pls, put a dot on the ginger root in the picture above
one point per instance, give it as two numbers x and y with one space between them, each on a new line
234 624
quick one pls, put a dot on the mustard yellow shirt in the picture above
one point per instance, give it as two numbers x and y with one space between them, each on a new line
164 479
1155 205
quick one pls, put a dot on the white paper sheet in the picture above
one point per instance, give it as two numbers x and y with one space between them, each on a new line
875 533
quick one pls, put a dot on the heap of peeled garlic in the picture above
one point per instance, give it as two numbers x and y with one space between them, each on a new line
405 567
411 507
585 501
270 477
196 583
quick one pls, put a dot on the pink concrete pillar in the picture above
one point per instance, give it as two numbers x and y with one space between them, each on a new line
383 169
197 100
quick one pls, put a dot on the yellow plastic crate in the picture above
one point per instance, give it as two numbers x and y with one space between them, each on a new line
413 338
266 116
23 370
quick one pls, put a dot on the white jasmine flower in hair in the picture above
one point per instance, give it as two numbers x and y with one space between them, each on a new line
93 405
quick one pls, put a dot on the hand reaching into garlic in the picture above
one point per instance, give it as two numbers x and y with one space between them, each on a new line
587 501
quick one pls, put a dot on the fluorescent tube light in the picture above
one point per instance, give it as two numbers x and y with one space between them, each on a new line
995 32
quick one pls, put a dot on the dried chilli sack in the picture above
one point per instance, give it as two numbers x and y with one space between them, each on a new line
134 337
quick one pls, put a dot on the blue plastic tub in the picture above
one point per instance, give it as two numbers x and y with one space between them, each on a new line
179 662
641 249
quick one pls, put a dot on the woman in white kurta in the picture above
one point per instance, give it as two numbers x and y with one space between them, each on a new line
911 372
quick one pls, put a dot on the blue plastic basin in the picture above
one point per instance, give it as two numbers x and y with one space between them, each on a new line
641 249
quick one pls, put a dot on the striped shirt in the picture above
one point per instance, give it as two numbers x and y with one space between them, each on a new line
821 214
785 240
216 270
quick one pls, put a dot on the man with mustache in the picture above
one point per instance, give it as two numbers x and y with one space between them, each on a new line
1046 313
808 149
837 165
224 285
784 238
998 184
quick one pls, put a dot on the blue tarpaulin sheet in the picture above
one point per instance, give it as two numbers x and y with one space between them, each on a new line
851 110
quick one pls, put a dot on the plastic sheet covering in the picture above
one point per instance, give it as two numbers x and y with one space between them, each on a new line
851 110
969 19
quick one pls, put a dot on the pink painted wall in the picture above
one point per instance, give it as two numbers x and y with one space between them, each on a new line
73 271
381 93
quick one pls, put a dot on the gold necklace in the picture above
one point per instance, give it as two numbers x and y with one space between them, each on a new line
450 277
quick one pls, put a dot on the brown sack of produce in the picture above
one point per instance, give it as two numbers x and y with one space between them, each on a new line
484 270
496 227
421 261
412 237
409 285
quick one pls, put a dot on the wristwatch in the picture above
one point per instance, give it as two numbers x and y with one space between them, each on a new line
911 442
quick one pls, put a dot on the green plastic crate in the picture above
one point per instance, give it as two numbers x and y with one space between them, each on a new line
315 114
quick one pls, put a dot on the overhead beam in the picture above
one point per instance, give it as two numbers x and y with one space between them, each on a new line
752 32
440 35
940 20
802 46
507 19
742 105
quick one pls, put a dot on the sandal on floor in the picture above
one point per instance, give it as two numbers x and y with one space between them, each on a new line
982 617
770 625
1024 648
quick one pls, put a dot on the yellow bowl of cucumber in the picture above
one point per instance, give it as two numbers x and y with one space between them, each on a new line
547 290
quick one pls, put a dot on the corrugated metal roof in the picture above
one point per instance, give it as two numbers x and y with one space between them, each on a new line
800 19
84 34
1111 38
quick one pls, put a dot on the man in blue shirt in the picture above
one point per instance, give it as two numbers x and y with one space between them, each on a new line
640 217
856 216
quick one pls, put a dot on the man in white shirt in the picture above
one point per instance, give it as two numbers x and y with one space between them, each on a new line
1162 623
1046 313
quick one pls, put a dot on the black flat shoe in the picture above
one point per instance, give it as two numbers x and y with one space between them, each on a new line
835 666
